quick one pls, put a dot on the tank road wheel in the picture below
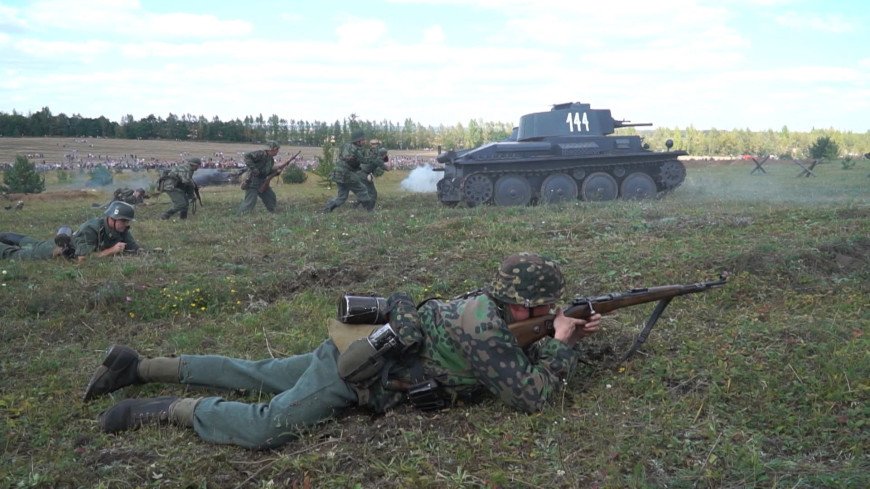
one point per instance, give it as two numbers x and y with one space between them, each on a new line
476 189
512 190
671 174
637 186
557 188
599 186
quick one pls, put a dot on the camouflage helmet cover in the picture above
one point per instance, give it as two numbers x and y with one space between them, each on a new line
195 161
273 144
120 210
357 136
529 280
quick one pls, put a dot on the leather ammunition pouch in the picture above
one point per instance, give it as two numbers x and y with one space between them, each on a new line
427 395
366 357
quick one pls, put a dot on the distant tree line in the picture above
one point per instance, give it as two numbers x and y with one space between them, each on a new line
405 135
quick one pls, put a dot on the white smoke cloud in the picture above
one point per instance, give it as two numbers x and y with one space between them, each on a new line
422 179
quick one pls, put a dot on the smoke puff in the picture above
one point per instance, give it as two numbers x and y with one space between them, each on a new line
421 180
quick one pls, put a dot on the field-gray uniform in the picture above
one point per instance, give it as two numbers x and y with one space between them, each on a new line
446 350
97 235
260 164
19 247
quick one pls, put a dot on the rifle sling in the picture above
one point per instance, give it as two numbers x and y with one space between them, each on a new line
650 322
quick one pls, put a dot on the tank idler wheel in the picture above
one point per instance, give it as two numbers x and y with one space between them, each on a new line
637 186
512 190
599 186
476 189
558 188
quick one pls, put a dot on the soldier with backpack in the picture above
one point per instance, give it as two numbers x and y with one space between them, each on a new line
178 184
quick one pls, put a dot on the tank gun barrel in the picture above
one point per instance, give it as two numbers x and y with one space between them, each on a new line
625 123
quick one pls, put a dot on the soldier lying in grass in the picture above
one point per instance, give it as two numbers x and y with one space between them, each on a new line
432 356
101 236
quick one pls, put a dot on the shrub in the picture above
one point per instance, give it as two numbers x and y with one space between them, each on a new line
848 162
23 178
824 148
294 174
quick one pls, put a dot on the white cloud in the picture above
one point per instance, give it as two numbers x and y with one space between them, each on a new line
433 35
10 20
826 23
63 50
361 31
127 19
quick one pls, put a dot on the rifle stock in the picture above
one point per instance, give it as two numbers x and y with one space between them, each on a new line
277 171
533 329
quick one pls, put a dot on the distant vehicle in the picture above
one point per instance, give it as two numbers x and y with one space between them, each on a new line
560 156
205 177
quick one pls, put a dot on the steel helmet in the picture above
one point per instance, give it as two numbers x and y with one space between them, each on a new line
357 136
120 210
528 279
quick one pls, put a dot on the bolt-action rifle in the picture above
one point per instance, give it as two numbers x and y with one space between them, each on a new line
530 330
197 197
276 171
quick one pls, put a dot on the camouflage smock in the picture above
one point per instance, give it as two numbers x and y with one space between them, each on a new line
348 167
467 347
96 235
374 163
179 177
260 164
127 194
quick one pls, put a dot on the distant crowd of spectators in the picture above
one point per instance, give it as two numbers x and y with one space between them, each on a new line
76 161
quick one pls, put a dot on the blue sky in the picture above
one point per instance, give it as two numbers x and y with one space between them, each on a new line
725 64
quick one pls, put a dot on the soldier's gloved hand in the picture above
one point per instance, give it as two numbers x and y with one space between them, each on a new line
370 177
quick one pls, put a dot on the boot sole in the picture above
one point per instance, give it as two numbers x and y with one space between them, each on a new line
111 356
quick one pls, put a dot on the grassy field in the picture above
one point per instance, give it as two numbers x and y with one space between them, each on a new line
761 384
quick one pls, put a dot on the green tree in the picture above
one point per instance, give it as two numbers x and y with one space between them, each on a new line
325 164
23 178
824 148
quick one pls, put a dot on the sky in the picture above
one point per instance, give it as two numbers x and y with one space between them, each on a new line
724 64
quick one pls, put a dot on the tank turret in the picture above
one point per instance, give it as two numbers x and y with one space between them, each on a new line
566 153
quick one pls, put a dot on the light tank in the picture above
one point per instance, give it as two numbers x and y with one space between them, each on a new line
561 155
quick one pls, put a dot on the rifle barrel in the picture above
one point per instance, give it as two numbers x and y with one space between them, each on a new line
530 330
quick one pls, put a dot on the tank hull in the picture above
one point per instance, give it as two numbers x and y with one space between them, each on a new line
553 179
565 154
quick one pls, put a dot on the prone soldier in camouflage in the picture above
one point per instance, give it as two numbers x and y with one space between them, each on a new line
350 173
127 195
259 165
461 349
180 187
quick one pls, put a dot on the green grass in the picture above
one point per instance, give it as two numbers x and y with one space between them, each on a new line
761 384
